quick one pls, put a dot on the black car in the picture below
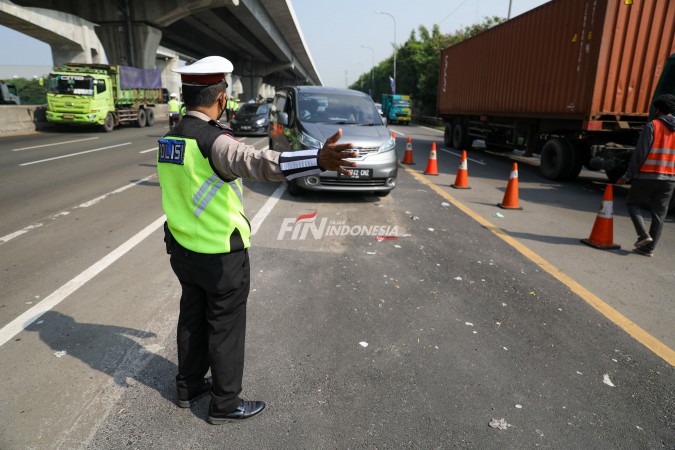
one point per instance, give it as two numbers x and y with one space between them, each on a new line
251 119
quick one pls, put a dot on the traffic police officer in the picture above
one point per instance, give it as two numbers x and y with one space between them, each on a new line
207 234
174 110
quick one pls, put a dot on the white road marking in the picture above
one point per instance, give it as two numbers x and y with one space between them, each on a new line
460 155
260 216
24 320
86 204
153 149
431 129
55 143
74 154
399 132
11 236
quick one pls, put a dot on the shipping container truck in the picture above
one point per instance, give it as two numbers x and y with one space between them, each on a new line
9 94
572 80
397 108
105 95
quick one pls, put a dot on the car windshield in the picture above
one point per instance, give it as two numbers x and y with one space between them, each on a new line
253 108
71 84
337 108
402 104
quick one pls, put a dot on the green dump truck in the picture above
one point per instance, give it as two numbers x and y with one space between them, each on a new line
397 108
105 95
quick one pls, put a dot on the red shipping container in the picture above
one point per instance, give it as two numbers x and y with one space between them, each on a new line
567 59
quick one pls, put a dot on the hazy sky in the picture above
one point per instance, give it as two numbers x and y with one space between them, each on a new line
335 31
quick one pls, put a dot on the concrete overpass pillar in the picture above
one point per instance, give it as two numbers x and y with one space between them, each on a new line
251 87
144 42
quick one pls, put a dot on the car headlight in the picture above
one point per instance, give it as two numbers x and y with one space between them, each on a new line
260 122
388 146
309 141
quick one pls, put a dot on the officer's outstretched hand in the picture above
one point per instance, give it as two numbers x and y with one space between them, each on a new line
334 156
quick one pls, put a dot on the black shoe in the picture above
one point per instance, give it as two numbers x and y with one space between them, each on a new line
644 251
246 409
643 241
198 393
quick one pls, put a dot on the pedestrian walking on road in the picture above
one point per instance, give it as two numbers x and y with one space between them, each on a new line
207 234
652 172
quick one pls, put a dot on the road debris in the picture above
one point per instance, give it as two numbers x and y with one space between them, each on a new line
607 381
363 344
60 353
500 424
498 215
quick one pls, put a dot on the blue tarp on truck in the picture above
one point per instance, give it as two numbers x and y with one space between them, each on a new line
133 78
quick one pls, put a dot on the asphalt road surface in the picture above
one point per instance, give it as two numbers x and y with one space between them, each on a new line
472 315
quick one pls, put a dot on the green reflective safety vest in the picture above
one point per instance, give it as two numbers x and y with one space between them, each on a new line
204 213
174 106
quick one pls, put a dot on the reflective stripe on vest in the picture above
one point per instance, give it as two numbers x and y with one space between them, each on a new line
215 183
661 158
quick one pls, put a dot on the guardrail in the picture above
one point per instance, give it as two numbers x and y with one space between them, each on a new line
23 119
431 120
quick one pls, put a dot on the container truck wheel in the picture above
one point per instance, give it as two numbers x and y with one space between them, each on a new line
149 118
142 118
109 123
460 136
447 135
557 159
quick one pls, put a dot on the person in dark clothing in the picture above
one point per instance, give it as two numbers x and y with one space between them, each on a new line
652 172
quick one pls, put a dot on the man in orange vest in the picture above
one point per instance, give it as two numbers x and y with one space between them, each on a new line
652 171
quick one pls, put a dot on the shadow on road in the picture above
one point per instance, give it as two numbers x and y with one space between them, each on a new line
109 349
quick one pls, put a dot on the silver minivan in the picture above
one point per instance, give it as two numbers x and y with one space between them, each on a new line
304 117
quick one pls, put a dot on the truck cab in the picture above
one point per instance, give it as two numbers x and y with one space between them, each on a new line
9 94
397 108
78 98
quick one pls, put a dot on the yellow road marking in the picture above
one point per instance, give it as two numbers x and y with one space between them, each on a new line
630 327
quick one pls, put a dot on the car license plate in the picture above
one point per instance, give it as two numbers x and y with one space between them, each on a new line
68 116
358 174
245 127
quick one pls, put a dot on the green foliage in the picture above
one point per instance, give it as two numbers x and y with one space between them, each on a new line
418 65
30 91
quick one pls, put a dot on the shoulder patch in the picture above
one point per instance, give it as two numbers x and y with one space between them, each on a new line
171 151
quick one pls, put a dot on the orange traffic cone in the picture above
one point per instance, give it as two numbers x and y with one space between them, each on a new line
510 200
602 235
462 177
408 156
393 135
432 165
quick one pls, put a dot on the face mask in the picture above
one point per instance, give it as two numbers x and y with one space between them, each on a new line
222 110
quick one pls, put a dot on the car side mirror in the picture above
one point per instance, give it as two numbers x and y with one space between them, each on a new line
283 118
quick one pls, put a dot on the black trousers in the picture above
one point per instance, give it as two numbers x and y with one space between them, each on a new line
212 323
653 195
